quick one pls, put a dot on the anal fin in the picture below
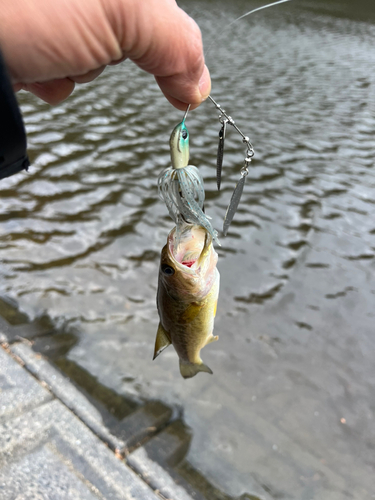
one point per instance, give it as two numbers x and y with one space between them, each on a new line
162 341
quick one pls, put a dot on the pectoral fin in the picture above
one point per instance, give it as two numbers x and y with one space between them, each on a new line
162 341
191 312
188 370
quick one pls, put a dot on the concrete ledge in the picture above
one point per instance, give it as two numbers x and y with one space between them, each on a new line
47 452
19 391
56 448
64 390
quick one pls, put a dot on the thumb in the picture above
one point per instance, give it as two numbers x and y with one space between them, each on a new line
164 41
174 88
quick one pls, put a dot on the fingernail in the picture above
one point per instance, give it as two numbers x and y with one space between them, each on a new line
205 83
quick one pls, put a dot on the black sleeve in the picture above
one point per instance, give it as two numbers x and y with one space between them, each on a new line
13 156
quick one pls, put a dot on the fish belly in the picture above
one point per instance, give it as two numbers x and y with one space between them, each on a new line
190 325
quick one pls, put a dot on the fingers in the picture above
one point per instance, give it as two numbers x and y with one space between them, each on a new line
47 40
56 91
87 77
79 38
52 92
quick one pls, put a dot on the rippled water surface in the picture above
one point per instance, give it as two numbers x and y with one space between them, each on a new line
292 400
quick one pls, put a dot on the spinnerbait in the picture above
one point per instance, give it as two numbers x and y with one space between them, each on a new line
181 185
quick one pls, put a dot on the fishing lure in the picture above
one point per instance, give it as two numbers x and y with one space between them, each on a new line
181 185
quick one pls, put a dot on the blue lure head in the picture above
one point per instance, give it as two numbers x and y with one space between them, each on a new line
179 144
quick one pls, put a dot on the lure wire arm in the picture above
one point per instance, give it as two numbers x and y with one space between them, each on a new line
224 119
230 120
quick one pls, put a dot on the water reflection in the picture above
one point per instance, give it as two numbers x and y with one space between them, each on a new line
80 236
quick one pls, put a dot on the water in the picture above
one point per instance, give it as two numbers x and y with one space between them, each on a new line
291 402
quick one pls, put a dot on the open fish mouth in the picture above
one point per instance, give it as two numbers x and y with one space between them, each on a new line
190 247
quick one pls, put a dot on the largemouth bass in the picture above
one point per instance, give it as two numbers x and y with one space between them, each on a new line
187 296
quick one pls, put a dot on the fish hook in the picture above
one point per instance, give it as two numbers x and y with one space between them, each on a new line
186 113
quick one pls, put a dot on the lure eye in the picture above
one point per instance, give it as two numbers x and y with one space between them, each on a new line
184 134
168 270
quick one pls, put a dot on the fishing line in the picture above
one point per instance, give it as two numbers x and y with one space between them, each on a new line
242 17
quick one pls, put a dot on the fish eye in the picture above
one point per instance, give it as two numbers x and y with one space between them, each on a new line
168 270
184 134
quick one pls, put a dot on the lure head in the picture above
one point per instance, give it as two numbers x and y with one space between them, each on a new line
179 144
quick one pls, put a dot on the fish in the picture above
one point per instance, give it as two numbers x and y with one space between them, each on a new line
188 290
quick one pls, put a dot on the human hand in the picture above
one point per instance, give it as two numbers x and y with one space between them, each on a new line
49 45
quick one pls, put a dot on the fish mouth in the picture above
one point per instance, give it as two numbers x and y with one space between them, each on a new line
191 249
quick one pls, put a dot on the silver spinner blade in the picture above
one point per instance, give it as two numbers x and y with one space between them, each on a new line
233 205
220 153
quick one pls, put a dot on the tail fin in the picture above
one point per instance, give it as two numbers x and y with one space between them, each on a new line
188 370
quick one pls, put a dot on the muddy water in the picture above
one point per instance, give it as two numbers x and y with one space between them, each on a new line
291 404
